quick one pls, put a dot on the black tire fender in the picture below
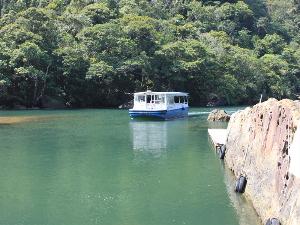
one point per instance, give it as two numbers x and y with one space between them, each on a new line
240 185
222 152
273 221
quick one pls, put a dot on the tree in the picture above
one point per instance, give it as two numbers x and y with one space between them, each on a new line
31 70
98 13
270 44
187 65
276 76
143 30
72 71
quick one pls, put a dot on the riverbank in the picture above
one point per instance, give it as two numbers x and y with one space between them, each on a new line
6 120
259 147
10 120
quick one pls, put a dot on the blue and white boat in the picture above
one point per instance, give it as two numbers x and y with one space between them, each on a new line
160 105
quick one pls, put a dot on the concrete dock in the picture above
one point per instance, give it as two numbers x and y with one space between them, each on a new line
218 136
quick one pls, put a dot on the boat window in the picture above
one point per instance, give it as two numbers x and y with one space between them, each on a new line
176 99
170 99
181 98
156 99
185 99
148 98
140 98
162 99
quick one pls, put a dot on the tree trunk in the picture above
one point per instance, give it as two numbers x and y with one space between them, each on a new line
44 85
35 91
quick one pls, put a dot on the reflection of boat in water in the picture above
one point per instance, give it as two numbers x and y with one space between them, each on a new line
160 105
149 137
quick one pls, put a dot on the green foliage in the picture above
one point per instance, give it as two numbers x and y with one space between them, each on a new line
72 23
276 70
245 38
98 13
92 53
142 30
270 44
226 17
100 70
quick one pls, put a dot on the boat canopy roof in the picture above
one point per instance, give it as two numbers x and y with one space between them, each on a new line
162 93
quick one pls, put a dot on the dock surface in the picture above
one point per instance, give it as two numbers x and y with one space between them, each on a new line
218 136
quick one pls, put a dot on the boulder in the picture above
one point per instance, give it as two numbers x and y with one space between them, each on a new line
19 107
53 103
258 146
218 115
126 105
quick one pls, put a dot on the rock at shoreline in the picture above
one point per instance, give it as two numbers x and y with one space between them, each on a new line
218 115
126 105
53 103
258 147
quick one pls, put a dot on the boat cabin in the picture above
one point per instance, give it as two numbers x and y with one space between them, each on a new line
162 105
160 100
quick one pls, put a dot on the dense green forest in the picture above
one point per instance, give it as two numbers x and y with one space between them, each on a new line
85 53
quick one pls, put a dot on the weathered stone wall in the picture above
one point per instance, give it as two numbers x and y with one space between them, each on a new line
258 146
218 115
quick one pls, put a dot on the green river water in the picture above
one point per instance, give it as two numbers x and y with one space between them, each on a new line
86 167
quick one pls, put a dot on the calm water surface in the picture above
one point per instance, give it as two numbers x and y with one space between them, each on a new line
86 167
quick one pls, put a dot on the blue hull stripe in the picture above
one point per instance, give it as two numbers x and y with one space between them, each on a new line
160 114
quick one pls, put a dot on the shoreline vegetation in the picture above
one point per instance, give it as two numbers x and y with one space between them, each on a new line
85 53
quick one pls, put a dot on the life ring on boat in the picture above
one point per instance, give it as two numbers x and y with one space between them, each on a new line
222 151
240 184
273 221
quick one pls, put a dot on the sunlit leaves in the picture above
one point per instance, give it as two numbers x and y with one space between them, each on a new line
29 54
270 44
100 70
98 13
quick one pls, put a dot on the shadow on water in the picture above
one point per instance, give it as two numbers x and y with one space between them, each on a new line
244 209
